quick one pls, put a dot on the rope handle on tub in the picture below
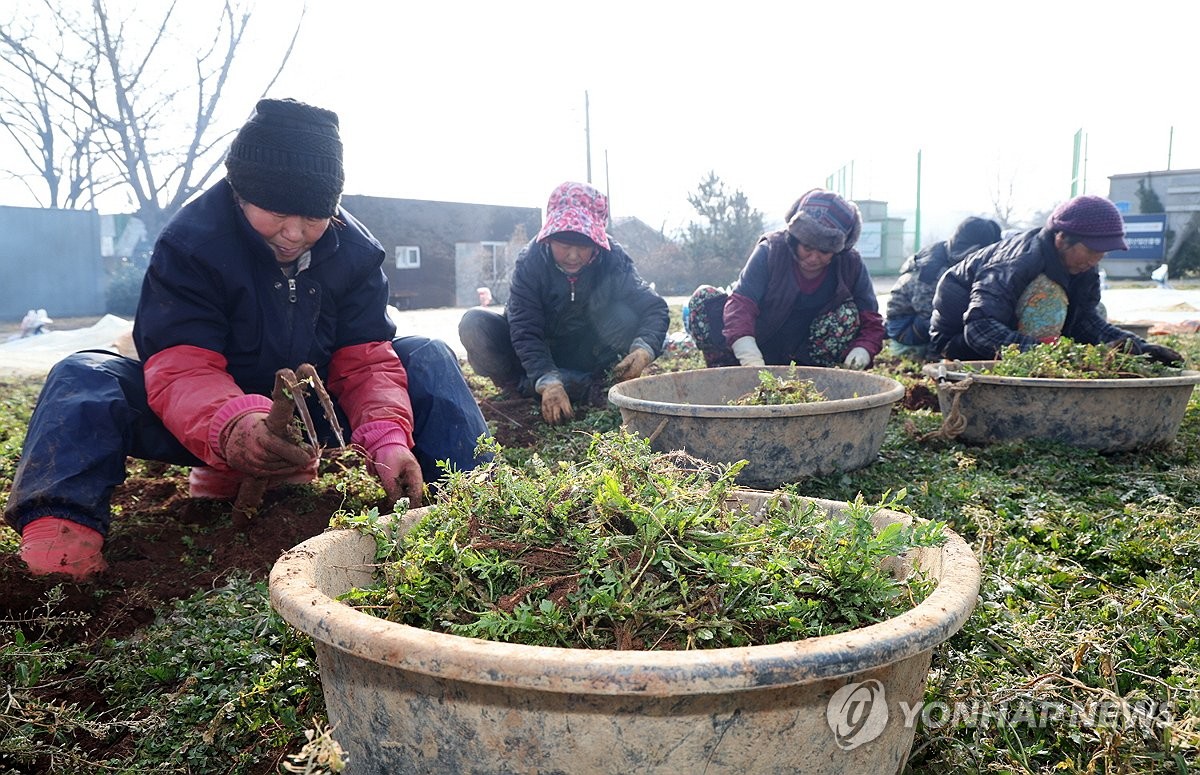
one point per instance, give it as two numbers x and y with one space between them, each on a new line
955 422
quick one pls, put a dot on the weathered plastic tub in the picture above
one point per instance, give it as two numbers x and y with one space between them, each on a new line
689 410
1109 415
403 699
1137 329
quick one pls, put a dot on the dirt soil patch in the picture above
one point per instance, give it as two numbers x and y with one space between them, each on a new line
919 396
514 421
175 546
164 547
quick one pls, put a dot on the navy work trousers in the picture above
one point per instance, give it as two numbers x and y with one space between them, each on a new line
93 413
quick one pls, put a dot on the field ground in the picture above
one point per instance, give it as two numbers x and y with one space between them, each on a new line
172 661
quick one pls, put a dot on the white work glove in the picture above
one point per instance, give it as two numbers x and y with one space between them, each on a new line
858 358
747 352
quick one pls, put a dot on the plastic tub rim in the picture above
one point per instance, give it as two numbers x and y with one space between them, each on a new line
943 370
893 393
297 598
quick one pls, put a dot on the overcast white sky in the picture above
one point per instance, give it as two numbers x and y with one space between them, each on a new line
484 101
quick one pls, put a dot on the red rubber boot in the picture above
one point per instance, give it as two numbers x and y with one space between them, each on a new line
54 545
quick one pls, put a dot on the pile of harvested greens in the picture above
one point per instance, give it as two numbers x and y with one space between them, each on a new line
1067 359
773 390
625 549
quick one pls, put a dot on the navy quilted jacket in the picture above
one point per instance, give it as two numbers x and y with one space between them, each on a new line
975 304
546 307
213 283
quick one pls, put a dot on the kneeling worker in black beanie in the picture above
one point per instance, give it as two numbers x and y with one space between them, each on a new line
263 271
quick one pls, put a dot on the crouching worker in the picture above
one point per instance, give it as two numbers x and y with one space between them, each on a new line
1034 287
804 296
910 304
263 271
576 308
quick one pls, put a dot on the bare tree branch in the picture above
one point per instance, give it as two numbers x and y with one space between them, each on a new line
1002 202
92 100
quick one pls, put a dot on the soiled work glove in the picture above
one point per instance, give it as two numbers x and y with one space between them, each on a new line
747 352
398 471
556 406
249 447
632 365
858 358
1162 354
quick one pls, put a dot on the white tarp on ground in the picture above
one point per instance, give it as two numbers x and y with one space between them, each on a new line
1158 305
36 354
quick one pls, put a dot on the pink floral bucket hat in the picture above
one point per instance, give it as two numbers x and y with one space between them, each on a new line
579 208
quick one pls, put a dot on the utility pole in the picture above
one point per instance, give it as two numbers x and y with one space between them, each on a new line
1170 144
607 188
917 216
587 134
1085 160
1076 175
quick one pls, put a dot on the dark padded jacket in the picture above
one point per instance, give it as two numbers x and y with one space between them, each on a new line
767 289
975 307
910 304
549 312
217 318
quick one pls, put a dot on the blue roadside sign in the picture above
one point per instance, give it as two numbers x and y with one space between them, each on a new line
1146 236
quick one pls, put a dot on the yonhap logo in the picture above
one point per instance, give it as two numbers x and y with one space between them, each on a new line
857 714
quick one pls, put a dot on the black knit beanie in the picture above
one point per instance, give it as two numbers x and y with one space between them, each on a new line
288 159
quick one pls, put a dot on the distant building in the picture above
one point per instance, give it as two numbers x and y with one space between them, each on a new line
1179 193
658 258
440 253
636 236
882 242
50 258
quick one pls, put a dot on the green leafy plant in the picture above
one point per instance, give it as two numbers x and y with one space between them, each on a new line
222 672
1089 594
1067 359
629 549
773 390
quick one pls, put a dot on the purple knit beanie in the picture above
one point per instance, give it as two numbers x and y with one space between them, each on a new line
823 220
1093 220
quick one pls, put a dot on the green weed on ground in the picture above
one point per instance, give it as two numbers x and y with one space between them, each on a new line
218 683
1082 656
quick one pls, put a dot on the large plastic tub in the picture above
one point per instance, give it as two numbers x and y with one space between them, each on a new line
689 410
403 699
1109 415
